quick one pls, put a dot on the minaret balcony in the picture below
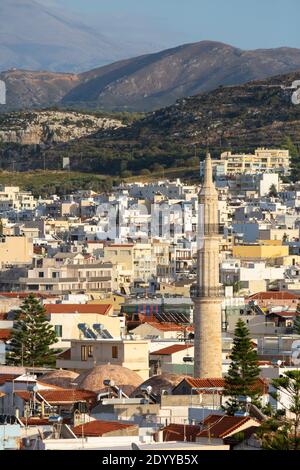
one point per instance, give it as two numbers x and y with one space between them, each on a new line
200 292
211 229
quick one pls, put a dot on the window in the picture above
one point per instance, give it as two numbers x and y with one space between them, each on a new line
114 352
41 274
90 351
58 330
83 353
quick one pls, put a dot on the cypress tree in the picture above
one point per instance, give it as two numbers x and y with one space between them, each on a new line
296 326
243 371
32 336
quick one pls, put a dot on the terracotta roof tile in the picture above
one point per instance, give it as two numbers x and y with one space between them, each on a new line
261 384
5 334
7 378
67 395
168 326
179 432
171 349
23 295
100 428
59 396
282 295
221 426
101 309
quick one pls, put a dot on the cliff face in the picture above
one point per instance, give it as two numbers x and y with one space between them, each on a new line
45 127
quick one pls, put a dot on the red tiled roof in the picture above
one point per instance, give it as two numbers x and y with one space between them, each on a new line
35 421
205 383
221 426
282 295
171 349
5 334
23 295
24 395
168 326
59 396
179 432
7 378
282 314
100 428
78 308
65 355
67 395
261 384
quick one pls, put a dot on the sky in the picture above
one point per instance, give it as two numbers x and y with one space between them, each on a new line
248 24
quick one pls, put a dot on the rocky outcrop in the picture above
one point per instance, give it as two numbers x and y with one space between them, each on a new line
47 127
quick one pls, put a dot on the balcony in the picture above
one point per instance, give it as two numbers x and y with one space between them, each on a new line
197 292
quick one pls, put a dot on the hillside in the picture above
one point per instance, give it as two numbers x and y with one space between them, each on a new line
148 82
152 81
241 118
29 90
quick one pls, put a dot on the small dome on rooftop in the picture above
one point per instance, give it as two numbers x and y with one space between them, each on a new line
93 379
158 383
60 378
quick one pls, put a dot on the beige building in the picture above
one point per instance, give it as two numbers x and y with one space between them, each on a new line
144 262
68 321
262 160
67 272
11 198
282 234
15 250
255 252
86 354
122 257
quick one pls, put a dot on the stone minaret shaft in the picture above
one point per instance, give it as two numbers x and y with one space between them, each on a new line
206 294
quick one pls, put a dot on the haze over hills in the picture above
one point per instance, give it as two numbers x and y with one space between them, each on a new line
151 81
38 36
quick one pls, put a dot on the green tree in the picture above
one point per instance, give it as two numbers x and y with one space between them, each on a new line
32 336
243 371
283 434
296 326
273 191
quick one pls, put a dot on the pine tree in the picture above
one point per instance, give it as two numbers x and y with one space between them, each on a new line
273 191
283 433
243 371
32 336
296 326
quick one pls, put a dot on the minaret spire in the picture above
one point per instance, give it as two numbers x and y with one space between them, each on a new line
208 175
206 294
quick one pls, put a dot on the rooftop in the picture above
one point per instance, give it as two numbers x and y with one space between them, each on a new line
78 308
99 428
171 349
222 426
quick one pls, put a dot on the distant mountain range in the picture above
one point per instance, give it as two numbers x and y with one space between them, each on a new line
40 36
151 81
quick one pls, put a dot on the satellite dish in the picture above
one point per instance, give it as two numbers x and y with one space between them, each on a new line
149 389
134 446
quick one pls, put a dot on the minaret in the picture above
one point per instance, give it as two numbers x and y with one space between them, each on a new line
207 294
